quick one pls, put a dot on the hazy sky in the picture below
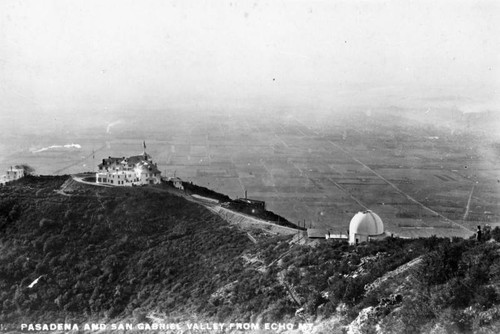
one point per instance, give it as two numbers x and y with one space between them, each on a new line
73 55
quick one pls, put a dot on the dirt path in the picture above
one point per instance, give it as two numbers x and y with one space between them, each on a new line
248 222
79 178
396 272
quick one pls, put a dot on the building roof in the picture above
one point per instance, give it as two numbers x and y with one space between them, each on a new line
316 233
135 159
130 161
366 223
249 201
148 167
109 161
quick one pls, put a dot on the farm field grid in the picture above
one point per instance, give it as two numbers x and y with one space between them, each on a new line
423 179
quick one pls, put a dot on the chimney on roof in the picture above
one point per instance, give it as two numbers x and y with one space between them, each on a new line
245 194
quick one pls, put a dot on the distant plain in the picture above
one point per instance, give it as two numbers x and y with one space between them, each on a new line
425 171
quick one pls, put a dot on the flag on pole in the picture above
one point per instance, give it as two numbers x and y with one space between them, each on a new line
144 144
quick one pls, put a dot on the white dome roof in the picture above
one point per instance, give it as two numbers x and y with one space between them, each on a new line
366 223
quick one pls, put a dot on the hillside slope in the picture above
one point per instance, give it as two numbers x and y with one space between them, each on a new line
74 253
106 251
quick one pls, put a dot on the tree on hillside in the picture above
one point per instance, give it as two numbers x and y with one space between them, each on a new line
28 170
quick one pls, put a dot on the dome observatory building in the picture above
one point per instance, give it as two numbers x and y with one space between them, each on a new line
366 226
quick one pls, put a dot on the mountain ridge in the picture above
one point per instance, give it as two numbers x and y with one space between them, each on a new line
128 254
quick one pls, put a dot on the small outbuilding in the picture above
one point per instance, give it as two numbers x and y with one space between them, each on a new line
316 233
366 226
14 173
177 183
322 233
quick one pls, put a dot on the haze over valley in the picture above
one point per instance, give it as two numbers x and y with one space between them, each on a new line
316 110
312 163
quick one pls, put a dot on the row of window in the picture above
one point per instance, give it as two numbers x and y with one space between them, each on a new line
103 179
116 169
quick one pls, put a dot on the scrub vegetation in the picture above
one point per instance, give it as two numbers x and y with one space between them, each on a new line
118 253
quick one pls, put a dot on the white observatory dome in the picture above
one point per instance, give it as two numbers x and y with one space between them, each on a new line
365 225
